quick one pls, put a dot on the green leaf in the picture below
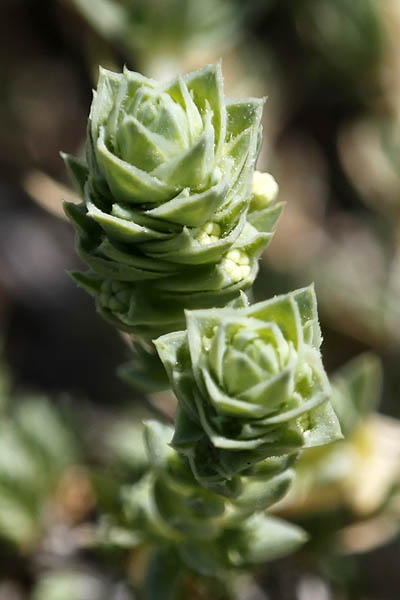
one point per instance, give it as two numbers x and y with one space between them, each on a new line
108 86
206 86
180 93
307 303
122 230
356 390
192 210
66 584
78 170
205 559
269 538
193 167
186 249
322 426
88 281
18 523
265 220
157 438
105 16
187 432
137 144
242 114
125 440
77 213
163 577
283 311
259 494
130 184
145 371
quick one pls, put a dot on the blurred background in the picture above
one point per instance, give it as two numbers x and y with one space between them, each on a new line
331 72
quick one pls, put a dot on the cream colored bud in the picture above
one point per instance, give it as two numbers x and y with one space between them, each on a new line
238 256
212 228
236 265
245 271
234 255
234 271
209 233
264 188
203 238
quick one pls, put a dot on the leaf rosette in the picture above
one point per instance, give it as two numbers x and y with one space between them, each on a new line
250 385
168 200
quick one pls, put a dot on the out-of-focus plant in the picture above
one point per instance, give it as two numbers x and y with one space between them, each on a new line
78 583
372 316
353 485
341 134
37 449
50 486
184 28
340 38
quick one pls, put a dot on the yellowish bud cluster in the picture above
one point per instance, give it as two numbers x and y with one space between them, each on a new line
209 233
236 265
264 189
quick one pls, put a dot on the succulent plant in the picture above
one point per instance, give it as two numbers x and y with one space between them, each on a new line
357 388
173 220
37 448
169 219
79 582
182 26
250 385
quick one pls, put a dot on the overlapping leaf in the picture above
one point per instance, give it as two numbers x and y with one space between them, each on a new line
168 508
250 385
